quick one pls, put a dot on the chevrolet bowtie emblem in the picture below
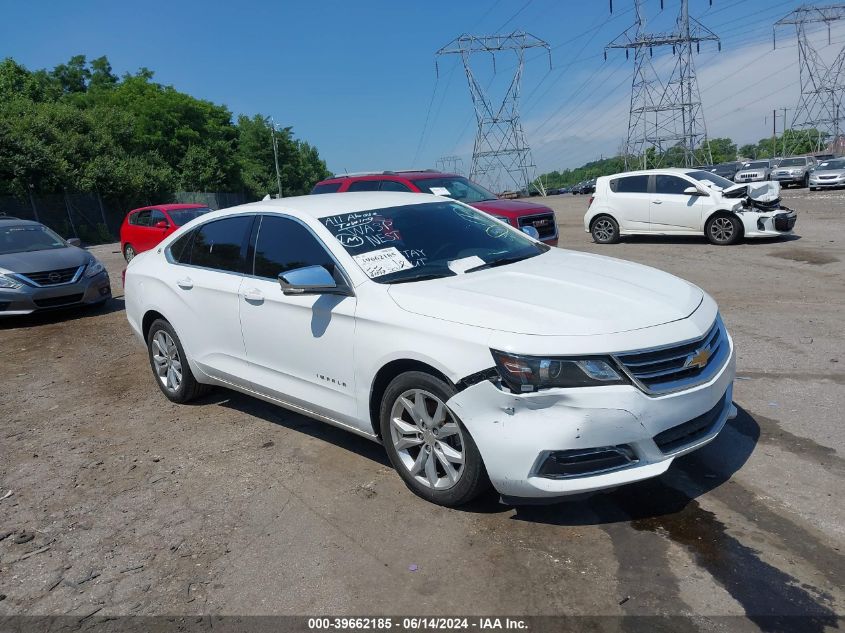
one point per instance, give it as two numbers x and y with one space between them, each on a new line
699 359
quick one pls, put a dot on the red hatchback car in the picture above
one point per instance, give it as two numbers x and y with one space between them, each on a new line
143 228
518 213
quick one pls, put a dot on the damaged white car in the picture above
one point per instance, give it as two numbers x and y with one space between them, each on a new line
473 352
685 202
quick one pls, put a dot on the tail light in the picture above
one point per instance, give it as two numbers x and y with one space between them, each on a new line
590 201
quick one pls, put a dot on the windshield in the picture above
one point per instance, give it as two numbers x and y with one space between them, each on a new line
709 178
25 238
456 187
832 164
760 164
426 241
793 162
183 216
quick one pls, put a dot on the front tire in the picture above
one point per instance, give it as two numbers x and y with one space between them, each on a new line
170 364
605 230
723 229
806 182
427 444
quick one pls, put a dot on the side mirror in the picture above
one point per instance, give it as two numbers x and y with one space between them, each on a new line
531 232
694 191
311 280
162 224
74 241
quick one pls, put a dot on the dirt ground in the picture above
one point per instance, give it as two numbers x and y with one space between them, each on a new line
233 506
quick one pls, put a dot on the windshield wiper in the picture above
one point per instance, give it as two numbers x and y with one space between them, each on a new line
501 262
422 276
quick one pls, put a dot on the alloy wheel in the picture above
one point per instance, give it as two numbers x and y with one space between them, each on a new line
168 364
722 229
604 230
129 253
427 438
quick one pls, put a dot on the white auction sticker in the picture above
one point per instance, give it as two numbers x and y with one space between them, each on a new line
382 262
440 191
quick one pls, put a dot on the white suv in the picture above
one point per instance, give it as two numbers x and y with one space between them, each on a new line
685 202
474 353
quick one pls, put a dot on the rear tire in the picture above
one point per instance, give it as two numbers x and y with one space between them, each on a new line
605 230
723 229
129 253
170 364
427 444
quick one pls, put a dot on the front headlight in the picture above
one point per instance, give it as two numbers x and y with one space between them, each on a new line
7 283
531 373
95 267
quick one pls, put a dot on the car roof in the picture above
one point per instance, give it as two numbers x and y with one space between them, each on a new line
381 175
172 207
10 220
648 172
328 204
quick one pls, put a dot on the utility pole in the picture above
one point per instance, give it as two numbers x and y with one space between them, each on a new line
501 157
822 84
450 164
665 114
276 155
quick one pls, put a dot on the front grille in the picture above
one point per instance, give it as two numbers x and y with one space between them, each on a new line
53 277
691 431
681 366
52 302
826 177
545 223
784 221
748 176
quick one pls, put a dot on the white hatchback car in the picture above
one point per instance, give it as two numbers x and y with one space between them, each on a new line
685 202
474 353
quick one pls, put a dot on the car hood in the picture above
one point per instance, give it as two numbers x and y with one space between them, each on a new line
510 207
829 172
39 261
768 191
557 293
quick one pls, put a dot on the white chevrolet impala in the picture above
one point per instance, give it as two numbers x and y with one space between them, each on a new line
476 354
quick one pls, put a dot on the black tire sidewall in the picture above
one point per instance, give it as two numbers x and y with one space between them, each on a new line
473 481
737 234
126 248
614 239
183 393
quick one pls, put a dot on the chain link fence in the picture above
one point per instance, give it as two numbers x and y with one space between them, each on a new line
94 218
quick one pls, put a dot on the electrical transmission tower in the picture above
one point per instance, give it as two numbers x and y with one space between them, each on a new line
501 158
819 106
665 115
450 164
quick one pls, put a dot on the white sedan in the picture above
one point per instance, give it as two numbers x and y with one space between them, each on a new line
474 353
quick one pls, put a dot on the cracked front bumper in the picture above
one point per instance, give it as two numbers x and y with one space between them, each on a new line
516 433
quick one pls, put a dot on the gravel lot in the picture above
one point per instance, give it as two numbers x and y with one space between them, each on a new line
232 506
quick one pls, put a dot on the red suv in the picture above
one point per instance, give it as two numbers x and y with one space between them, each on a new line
143 228
518 213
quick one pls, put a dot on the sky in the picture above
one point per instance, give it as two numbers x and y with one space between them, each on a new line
361 81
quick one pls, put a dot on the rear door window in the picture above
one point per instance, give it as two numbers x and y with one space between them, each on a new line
364 185
329 187
142 218
393 185
222 244
630 184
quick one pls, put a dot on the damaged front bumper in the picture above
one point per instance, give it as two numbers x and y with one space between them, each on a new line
555 443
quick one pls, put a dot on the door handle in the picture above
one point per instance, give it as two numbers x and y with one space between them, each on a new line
185 284
656 202
254 295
